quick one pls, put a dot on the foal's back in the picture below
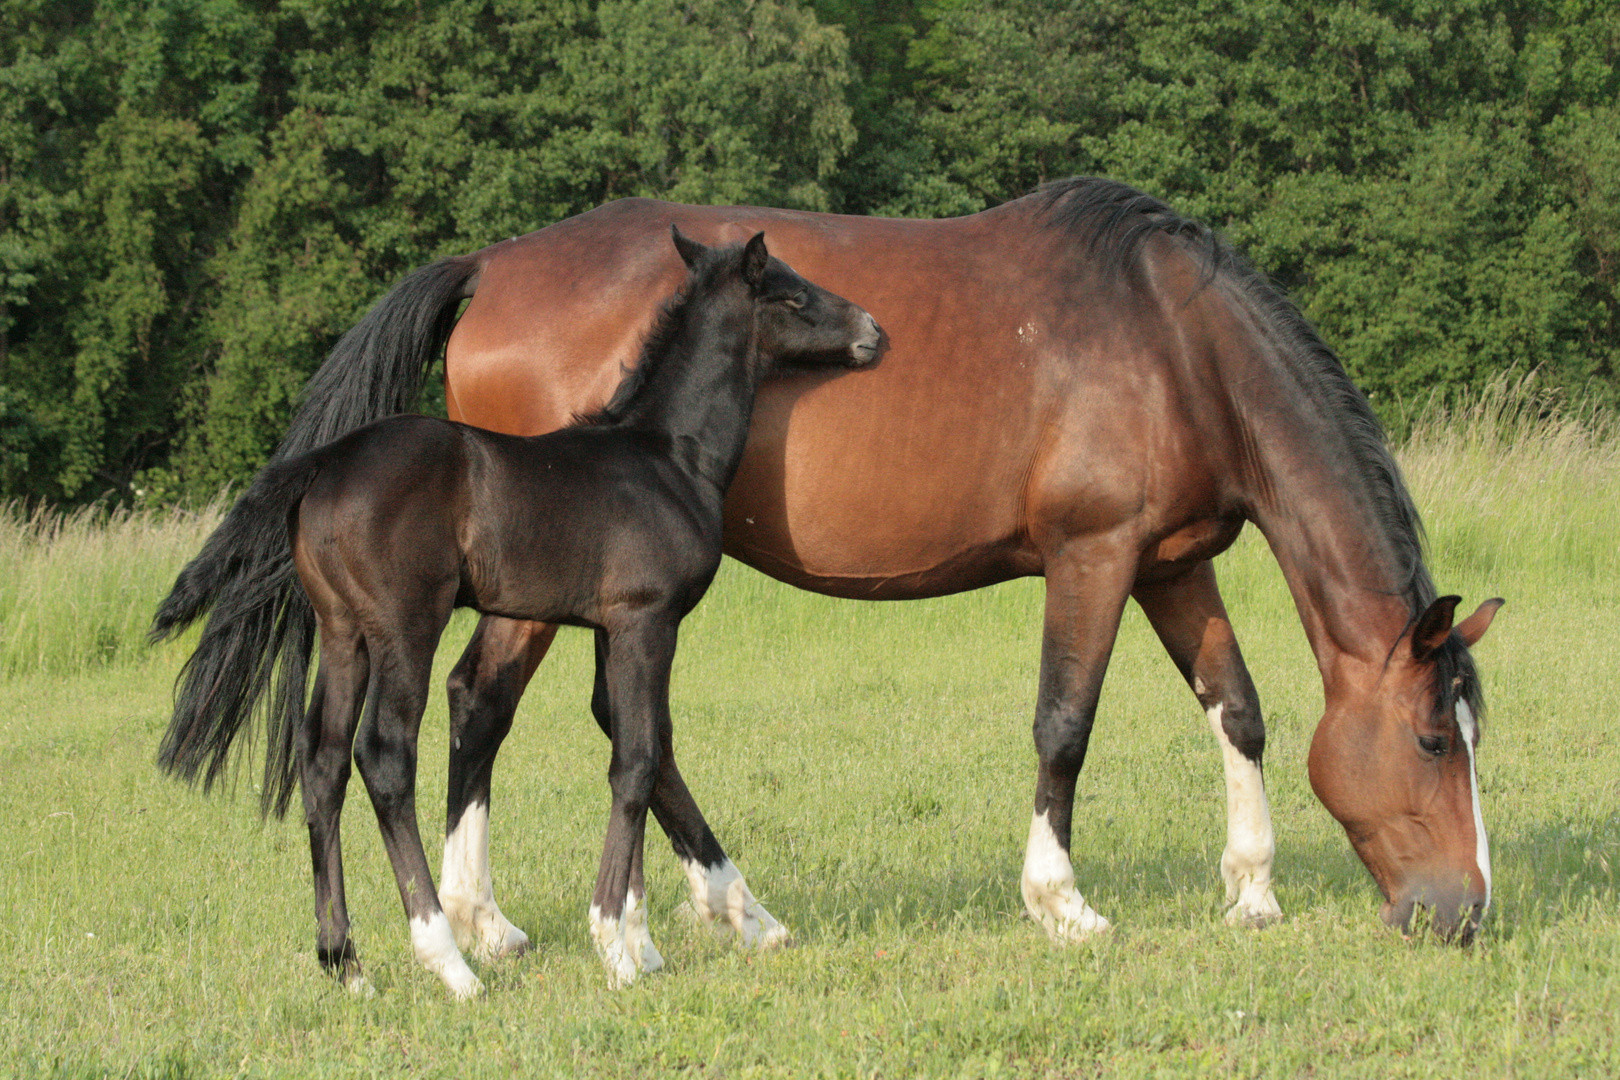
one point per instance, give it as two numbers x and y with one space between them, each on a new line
421 515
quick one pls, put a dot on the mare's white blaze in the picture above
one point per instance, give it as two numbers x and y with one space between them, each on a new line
623 943
1250 842
1048 886
1482 847
467 893
722 899
435 946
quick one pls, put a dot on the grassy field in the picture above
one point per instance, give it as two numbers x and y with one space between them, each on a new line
870 769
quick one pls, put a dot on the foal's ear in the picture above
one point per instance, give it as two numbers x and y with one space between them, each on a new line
691 251
754 258
1473 628
1433 627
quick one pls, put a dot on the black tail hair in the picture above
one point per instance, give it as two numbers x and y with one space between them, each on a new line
261 629
258 638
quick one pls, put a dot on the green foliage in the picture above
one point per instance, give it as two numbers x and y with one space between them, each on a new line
198 196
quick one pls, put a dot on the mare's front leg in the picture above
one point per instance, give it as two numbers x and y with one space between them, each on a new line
637 679
385 751
720 896
485 688
1087 582
1191 621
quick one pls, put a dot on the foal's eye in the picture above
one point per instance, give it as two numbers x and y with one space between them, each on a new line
797 300
1433 745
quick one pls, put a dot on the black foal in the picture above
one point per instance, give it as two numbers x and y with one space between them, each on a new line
612 524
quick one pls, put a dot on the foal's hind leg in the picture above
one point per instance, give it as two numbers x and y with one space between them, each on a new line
385 751
720 896
323 764
1190 619
484 690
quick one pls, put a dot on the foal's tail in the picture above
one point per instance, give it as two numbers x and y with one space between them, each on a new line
257 640
259 636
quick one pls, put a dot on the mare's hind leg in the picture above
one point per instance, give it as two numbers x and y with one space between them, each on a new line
484 690
720 896
385 751
323 765
1087 583
1191 621
637 677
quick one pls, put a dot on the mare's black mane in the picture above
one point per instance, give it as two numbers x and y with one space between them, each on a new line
1115 220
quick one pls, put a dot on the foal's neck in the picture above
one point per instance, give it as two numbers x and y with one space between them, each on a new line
700 392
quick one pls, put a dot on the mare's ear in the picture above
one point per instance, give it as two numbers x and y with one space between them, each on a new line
1433 627
1473 628
691 251
754 258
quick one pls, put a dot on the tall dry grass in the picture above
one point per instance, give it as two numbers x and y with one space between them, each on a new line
1518 484
77 590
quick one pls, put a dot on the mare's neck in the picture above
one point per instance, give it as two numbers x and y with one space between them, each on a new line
1328 507
701 393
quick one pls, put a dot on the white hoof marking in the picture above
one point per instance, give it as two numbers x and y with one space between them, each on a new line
1050 897
624 943
435 946
722 900
1250 843
467 893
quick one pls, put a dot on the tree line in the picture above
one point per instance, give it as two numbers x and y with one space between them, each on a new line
197 197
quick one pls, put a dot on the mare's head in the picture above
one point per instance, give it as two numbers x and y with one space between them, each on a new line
1393 761
796 319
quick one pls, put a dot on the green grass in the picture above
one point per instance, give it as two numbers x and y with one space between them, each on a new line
869 767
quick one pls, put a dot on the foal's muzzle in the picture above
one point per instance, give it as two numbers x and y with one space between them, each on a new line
871 344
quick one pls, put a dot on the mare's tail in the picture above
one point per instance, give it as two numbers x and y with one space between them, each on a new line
261 631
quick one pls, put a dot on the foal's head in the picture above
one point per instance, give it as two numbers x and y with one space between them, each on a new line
795 318
1393 761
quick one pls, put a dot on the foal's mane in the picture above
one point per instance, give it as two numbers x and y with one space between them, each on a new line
1114 221
667 327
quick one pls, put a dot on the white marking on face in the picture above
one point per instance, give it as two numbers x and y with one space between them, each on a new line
1250 842
1048 887
722 899
1482 847
434 944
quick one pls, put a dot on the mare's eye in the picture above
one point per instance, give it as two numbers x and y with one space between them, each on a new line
797 300
1432 744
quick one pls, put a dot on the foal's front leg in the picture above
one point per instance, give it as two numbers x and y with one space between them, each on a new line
637 679
720 896
1190 618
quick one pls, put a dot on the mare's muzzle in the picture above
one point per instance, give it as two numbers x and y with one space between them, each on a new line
1453 911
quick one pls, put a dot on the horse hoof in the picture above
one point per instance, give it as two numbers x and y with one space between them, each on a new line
360 986
463 986
1255 916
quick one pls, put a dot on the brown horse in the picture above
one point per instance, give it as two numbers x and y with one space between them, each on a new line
1082 385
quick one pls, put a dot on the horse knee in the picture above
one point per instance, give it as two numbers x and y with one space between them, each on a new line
632 781
1061 738
1244 728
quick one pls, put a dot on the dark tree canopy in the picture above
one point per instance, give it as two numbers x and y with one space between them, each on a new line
198 196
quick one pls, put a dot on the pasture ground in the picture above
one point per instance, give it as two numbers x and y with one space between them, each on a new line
869 767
